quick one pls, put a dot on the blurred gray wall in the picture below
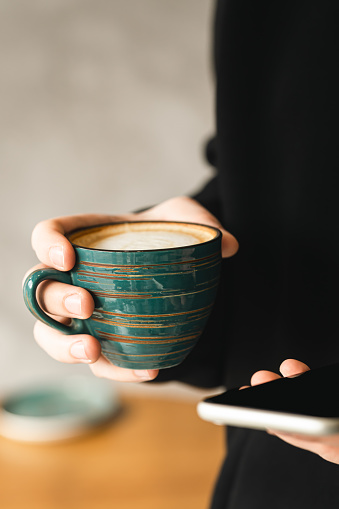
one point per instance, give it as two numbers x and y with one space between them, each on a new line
104 107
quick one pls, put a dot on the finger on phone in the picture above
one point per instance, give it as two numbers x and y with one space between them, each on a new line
292 367
263 376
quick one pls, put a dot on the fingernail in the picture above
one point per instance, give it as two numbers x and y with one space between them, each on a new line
78 351
73 304
142 374
56 255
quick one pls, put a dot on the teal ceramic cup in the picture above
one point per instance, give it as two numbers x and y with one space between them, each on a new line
151 305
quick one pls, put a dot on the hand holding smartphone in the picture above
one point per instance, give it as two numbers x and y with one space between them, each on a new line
307 404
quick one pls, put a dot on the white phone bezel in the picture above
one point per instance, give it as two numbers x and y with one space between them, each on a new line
267 419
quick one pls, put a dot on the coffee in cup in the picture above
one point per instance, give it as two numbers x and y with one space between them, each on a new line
141 236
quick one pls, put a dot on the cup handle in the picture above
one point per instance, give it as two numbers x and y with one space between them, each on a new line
29 289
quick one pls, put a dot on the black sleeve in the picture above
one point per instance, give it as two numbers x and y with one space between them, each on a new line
208 196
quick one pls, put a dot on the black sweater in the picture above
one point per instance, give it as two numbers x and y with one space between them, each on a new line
276 189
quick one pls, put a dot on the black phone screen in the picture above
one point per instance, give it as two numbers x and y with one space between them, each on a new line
315 392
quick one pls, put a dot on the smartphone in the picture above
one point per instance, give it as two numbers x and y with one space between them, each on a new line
306 404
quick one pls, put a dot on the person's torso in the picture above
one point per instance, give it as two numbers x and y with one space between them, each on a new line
277 157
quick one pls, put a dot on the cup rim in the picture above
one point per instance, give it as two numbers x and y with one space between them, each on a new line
77 230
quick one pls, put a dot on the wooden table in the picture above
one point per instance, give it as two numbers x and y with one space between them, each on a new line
157 454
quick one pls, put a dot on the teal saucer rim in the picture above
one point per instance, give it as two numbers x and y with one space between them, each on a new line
53 428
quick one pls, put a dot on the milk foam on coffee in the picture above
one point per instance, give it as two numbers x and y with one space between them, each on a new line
161 239
142 236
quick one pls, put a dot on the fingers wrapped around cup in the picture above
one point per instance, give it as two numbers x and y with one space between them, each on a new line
153 284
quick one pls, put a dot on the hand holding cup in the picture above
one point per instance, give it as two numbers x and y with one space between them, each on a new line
51 244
